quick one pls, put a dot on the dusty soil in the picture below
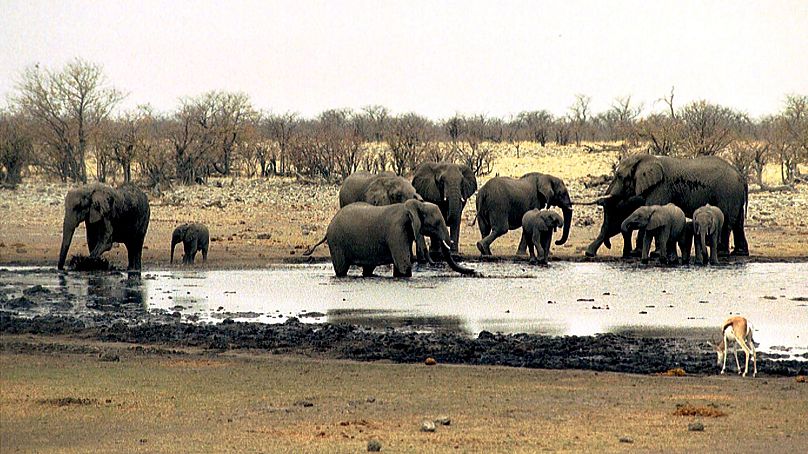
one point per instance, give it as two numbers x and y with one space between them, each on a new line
69 395
256 222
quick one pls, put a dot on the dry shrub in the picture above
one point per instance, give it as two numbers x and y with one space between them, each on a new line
709 411
67 401
675 372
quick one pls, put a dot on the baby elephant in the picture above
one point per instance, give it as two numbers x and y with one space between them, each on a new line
665 224
707 223
537 231
194 237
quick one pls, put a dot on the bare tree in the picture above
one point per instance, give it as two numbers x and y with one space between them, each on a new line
795 117
282 128
230 113
16 148
579 114
621 120
408 137
67 107
707 128
538 125
663 132
473 147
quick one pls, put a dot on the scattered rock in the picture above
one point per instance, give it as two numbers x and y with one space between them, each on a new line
586 299
626 440
769 297
427 426
710 411
35 290
67 401
374 446
800 379
264 236
675 372
430 361
109 357
370 399
443 421
695 427
303 403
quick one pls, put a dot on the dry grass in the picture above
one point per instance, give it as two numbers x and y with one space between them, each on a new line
698 410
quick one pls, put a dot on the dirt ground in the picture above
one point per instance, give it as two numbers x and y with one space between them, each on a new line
257 222
63 395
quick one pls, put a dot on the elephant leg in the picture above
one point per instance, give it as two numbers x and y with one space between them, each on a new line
190 249
454 233
421 253
401 251
92 237
723 245
646 248
367 270
627 251
205 253
713 249
498 228
134 250
533 247
662 244
339 261
739 237
522 249
637 251
545 243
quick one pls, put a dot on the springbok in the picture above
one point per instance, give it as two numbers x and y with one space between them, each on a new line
737 329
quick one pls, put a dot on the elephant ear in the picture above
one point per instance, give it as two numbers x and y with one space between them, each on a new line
542 225
544 191
558 221
413 218
647 175
655 220
425 182
469 186
100 206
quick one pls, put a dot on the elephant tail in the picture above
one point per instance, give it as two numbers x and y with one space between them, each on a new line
745 200
310 250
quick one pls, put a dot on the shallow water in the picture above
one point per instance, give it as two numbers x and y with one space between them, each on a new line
561 299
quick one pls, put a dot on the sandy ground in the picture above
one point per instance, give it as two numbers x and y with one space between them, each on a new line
60 395
257 222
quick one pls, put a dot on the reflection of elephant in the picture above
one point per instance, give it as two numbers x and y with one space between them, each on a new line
194 237
665 224
448 186
111 216
707 220
381 189
687 183
503 201
368 236
614 213
537 230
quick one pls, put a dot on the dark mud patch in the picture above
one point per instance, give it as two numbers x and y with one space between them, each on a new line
605 352
68 401
85 263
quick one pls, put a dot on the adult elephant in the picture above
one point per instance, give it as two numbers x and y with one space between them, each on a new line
448 186
111 215
688 184
369 236
503 201
376 189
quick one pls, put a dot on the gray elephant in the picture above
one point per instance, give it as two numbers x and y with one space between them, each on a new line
614 213
688 183
369 236
194 238
111 215
376 189
707 220
503 201
537 231
663 223
448 186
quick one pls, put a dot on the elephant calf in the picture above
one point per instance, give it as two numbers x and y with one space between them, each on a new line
707 220
194 237
537 231
666 224
369 236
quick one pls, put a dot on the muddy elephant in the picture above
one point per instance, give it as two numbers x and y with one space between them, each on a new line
369 236
448 186
537 231
376 189
687 183
111 215
663 223
503 201
194 238
707 224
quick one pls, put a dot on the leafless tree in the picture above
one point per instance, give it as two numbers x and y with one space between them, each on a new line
408 136
663 133
537 124
579 114
795 117
621 120
472 146
66 107
282 128
707 128
16 148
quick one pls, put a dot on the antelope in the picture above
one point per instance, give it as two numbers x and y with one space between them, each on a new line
739 330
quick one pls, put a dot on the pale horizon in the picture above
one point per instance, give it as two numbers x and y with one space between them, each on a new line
435 59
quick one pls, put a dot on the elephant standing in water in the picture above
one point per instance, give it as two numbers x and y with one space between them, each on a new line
614 213
665 224
537 231
688 184
503 201
369 236
707 220
111 216
376 189
448 186
194 237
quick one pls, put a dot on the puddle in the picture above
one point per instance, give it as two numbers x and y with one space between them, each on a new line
562 299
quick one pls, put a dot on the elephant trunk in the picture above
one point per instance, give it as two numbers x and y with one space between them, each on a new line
455 205
447 254
567 210
67 237
703 245
174 242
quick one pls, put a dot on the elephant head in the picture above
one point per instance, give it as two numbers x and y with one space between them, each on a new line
386 190
447 184
425 217
644 217
634 176
177 237
553 192
92 204
550 221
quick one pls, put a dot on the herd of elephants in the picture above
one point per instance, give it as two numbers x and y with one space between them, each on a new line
382 215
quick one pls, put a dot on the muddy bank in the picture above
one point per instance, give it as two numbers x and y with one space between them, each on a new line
607 352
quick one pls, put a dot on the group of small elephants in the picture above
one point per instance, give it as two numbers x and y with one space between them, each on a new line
382 215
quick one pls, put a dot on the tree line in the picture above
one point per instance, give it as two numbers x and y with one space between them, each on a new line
58 121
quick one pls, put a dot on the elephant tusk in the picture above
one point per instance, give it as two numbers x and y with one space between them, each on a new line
446 245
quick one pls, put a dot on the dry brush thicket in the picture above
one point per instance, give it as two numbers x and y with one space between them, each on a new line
65 124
